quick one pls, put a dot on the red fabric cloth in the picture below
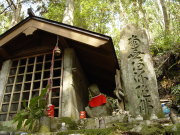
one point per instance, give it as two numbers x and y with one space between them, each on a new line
97 101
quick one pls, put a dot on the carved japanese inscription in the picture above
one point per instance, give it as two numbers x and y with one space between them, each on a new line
144 98
137 73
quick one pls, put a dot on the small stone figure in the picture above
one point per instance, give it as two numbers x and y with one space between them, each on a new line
113 113
102 123
63 126
98 106
130 119
139 117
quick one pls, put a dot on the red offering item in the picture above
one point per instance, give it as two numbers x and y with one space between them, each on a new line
82 114
50 110
97 101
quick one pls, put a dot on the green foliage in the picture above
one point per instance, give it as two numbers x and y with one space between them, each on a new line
126 128
165 43
4 20
93 15
55 10
31 114
153 130
158 129
109 16
176 92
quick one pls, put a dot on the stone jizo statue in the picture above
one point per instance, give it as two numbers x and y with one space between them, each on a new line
98 104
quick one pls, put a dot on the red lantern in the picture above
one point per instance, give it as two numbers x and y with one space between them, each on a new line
50 110
82 114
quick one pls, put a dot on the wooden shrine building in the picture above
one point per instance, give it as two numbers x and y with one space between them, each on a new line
25 60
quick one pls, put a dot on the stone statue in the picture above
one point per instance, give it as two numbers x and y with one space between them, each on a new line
102 109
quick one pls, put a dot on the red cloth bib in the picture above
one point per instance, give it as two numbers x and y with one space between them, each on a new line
97 101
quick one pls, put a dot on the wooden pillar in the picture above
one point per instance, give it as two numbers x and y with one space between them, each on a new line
75 86
3 77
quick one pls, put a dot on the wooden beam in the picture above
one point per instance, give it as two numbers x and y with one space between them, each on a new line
58 30
15 33
63 42
3 53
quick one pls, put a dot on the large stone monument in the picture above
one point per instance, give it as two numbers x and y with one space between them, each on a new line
138 76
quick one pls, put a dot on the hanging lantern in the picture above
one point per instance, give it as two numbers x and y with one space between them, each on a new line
57 51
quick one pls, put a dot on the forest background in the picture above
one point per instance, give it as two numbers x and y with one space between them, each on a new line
160 19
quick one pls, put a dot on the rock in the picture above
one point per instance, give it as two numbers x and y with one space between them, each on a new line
137 129
45 124
102 123
174 128
148 122
113 113
91 123
98 111
4 133
139 117
138 76
174 118
153 117
75 134
54 125
24 133
130 118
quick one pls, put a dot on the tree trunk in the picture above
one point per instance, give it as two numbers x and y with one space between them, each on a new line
68 13
145 22
136 12
122 12
16 11
165 15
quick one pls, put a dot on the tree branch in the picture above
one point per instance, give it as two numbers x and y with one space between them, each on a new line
10 2
5 9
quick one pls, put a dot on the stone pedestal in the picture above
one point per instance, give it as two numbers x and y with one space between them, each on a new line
45 124
138 76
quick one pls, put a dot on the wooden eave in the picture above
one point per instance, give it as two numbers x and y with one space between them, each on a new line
64 30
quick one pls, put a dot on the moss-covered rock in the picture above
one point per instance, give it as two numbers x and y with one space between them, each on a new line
107 131
127 128
44 129
71 124
124 126
157 129
7 126
152 129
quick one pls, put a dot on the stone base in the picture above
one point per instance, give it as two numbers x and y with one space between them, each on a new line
101 122
118 123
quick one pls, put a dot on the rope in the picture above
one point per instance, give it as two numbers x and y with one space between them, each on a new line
50 79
